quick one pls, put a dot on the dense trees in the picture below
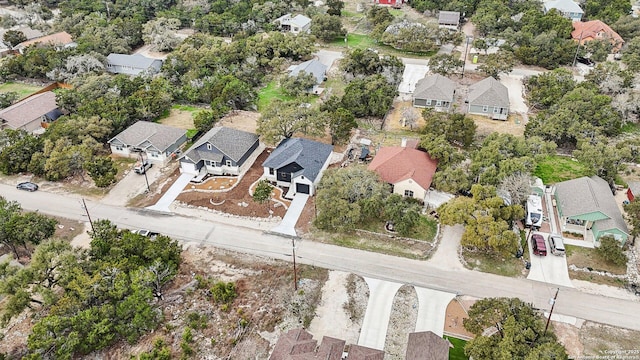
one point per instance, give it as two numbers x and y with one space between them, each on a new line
19 231
520 332
297 85
413 37
327 27
445 64
496 64
360 63
161 33
88 300
547 89
282 119
371 96
608 12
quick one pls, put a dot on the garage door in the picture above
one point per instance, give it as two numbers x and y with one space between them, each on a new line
302 188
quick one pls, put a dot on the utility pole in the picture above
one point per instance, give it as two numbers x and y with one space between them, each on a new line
144 171
575 57
84 206
553 303
295 272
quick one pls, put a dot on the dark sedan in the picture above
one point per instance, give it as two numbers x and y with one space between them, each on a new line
28 186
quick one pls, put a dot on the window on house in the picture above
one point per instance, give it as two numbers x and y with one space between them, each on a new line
496 109
485 108
271 171
408 193
154 154
119 148
428 101
439 103
229 163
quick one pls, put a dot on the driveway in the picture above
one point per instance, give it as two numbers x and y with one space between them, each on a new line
376 318
432 309
411 75
516 93
550 269
446 255
288 224
130 186
165 201
328 58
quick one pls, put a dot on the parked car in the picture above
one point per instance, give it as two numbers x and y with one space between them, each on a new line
146 233
556 244
586 61
27 185
142 167
538 245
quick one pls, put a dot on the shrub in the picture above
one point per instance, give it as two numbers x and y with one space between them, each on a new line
610 250
224 293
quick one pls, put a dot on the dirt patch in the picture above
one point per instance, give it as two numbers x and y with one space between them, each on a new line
598 339
569 337
180 119
455 315
513 125
241 120
238 200
394 120
402 321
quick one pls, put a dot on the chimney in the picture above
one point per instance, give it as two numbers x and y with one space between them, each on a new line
404 142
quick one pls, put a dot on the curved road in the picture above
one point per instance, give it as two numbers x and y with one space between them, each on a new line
571 302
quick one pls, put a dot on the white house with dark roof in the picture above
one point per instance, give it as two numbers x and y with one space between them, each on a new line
221 151
294 24
568 8
297 164
158 142
32 114
434 91
313 67
587 206
490 98
132 64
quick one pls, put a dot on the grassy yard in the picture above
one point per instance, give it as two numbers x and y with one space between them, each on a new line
363 41
631 128
584 257
509 266
457 352
270 92
22 89
555 169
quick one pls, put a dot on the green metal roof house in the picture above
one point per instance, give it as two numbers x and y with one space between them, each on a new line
587 204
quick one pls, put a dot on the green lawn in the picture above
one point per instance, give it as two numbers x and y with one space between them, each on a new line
22 89
457 352
555 169
189 108
631 128
270 92
362 41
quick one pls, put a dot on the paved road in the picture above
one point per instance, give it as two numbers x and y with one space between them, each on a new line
193 230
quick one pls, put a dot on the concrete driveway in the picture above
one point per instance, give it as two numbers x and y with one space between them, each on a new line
516 93
411 75
550 269
165 201
328 58
432 309
288 224
376 318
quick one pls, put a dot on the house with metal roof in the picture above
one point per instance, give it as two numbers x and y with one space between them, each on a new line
294 24
449 20
426 345
434 91
158 142
408 170
568 8
490 98
60 40
313 67
221 151
587 206
32 114
297 164
136 64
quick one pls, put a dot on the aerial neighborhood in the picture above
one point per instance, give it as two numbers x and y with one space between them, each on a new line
332 179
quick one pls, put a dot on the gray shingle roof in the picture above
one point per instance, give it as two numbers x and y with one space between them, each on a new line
136 61
563 6
28 110
449 17
310 155
489 92
585 195
157 135
314 67
435 87
231 142
635 188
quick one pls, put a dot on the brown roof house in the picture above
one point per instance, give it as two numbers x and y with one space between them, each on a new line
426 345
596 30
357 352
32 114
434 91
298 344
157 141
59 40
408 170
490 98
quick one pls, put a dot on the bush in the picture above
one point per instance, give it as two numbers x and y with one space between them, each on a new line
610 250
224 293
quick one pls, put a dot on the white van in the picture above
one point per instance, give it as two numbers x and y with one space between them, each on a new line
556 244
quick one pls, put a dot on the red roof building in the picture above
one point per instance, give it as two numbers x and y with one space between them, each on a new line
596 30
388 2
408 170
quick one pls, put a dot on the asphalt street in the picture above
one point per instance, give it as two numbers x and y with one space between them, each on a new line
228 235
